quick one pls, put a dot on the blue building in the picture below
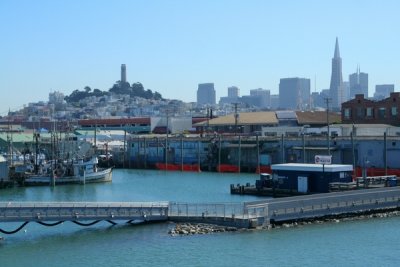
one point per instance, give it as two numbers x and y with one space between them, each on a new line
309 178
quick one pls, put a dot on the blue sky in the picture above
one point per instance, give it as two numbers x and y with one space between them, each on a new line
172 45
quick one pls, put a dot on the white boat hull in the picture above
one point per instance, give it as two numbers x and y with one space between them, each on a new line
94 177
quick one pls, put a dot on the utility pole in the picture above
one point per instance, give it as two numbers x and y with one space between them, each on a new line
327 100
208 120
236 117
9 141
123 164
166 140
95 135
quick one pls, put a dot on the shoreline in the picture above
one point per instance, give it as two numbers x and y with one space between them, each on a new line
355 216
188 229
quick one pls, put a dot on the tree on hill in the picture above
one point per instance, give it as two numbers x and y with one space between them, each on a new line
123 88
136 89
77 95
87 89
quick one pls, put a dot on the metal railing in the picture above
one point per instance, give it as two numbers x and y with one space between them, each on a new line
332 204
82 204
208 210
52 211
300 207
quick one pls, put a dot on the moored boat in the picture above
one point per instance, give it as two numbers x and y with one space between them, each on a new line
80 172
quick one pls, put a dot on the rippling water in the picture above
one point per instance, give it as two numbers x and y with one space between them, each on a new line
372 242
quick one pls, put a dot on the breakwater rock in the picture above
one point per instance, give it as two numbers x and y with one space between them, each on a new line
199 229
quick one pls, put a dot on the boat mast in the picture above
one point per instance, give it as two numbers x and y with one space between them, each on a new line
53 151
9 141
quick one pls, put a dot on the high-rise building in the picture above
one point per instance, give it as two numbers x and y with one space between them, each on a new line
358 84
233 96
383 91
206 94
294 93
123 73
318 99
346 91
336 88
274 102
264 97
233 92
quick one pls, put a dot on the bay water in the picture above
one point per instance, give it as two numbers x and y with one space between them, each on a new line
369 242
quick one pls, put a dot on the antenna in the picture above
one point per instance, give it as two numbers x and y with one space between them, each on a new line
315 82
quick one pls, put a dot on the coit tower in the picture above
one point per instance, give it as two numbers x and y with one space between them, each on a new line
123 73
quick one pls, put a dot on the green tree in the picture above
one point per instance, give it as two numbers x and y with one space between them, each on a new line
87 89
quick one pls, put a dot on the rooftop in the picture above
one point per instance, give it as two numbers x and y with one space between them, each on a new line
245 118
316 117
312 167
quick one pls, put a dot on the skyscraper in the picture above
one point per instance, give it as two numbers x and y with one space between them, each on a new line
346 91
123 73
206 94
233 92
358 84
336 88
294 93
263 96
383 91
233 96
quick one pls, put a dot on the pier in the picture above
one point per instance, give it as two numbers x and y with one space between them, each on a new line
325 204
242 215
81 213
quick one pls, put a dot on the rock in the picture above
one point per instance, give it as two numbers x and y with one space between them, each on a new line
183 232
193 229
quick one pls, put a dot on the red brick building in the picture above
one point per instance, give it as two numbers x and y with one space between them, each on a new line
361 110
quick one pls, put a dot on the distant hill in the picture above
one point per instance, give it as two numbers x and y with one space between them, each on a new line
136 89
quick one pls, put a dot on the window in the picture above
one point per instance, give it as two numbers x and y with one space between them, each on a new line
394 111
370 112
382 113
347 113
360 112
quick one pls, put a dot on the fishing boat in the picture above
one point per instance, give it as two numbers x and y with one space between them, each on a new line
69 172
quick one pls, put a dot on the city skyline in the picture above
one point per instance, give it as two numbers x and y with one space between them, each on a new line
171 47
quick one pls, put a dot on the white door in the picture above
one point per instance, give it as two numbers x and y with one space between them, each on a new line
302 184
